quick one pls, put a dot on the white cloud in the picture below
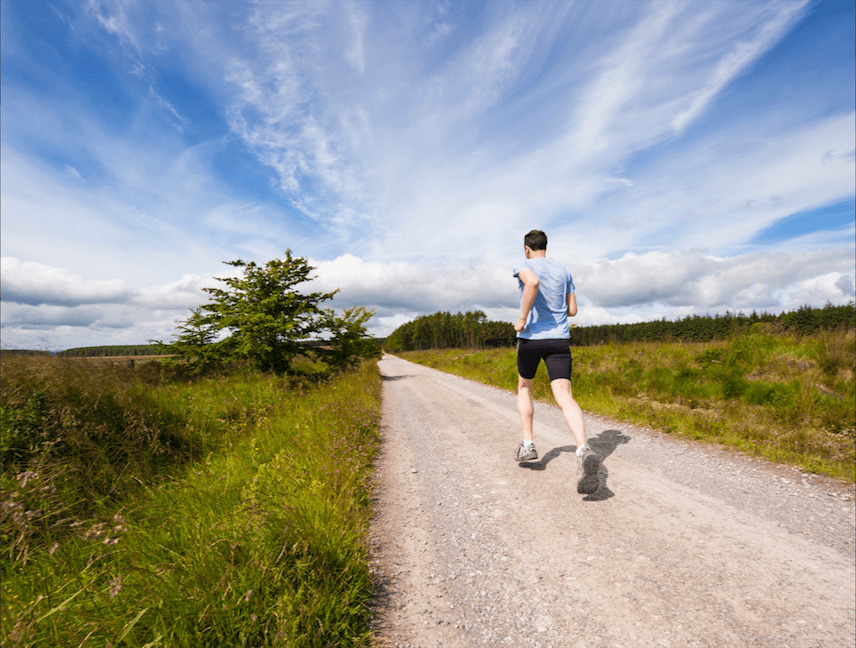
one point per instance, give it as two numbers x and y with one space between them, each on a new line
398 286
705 283
355 55
27 282
635 287
663 283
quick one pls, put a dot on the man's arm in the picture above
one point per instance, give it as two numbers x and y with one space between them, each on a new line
530 292
572 304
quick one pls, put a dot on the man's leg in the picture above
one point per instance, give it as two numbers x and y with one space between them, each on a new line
570 409
588 461
524 405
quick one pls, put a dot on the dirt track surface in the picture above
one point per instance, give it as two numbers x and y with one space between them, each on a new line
682 545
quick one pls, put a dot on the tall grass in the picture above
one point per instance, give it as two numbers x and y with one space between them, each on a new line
786 398
234 512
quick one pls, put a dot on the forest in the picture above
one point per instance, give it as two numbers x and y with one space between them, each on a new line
473 329
443 330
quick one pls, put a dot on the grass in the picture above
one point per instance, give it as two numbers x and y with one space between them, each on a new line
141 510
788 399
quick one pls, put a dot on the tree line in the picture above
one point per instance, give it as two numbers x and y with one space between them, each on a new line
473 329
114 350
703 328
443 330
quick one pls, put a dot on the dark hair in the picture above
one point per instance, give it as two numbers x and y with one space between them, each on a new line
536 240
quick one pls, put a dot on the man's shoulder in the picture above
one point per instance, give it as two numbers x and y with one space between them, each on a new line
554 265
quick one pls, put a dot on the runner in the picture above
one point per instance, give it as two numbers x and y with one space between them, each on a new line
547 298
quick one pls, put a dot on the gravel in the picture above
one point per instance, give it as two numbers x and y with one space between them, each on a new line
683 544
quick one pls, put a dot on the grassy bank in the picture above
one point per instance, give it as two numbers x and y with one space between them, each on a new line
141 510
786 398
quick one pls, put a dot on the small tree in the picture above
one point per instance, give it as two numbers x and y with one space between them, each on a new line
348 340
195 343
266 321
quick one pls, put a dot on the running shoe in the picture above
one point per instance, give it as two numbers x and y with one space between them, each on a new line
525 453
588 465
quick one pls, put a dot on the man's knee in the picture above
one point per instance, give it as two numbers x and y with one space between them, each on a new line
562 389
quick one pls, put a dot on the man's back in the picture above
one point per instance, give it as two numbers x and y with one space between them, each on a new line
548 318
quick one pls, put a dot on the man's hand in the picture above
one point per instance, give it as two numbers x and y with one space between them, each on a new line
520 324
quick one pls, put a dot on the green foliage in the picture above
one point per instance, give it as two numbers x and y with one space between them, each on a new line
194 345
443 330
82 434
114 350
258 541
472 329
263 319
698 328
348 341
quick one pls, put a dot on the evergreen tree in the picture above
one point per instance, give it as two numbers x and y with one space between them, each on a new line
262 318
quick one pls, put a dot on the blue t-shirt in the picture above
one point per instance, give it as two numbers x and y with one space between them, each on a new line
548 319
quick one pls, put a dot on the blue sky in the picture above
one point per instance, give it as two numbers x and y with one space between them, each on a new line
683 157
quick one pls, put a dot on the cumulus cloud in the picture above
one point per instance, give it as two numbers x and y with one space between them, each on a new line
411 287
633 287
48 303
630 288
705 283
27 282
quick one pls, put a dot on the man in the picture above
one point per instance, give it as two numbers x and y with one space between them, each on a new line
547 298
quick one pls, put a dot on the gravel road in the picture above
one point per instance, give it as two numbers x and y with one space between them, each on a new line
682 545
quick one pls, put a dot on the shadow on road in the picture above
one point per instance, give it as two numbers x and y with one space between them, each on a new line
401 377
604 444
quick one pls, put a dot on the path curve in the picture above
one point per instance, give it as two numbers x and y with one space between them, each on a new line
683 545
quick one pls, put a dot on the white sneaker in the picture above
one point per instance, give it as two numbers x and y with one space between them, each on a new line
588 465
525 453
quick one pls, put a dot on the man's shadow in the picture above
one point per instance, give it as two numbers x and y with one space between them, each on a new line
604 444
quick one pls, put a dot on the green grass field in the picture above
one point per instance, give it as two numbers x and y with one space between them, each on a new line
785 398
142 510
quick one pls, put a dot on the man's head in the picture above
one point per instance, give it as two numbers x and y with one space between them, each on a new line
536 241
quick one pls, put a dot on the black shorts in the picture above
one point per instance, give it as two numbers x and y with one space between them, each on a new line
556 354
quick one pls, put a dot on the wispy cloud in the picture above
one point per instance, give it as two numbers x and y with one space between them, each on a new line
406 147
741 54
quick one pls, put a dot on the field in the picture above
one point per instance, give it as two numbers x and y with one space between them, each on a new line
143 509
790 399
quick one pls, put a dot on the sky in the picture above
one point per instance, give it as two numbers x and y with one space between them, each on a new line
682 157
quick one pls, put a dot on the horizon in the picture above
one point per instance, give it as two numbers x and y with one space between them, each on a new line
725 315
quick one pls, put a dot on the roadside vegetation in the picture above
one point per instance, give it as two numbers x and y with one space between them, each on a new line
783 396
140 508
215 497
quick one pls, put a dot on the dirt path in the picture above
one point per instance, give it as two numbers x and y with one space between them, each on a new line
681 546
